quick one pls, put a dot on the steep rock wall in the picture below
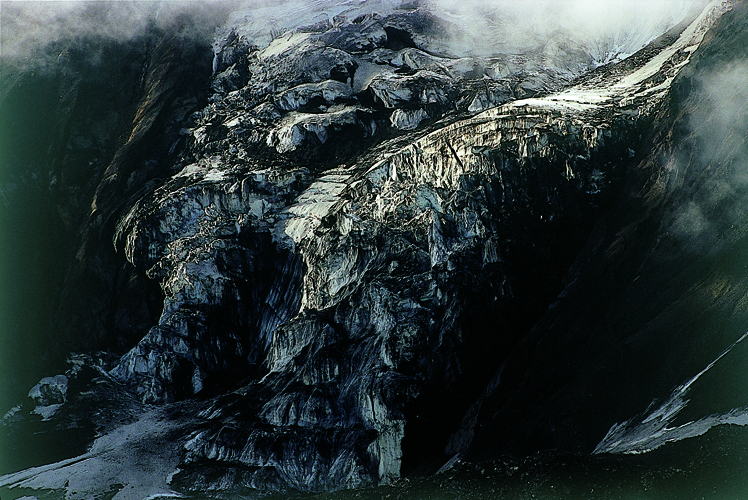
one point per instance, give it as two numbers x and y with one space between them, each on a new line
671 250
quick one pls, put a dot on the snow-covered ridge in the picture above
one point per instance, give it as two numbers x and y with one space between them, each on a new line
638 88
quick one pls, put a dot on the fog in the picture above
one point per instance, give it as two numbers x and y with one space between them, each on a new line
27 28
716 210
609 29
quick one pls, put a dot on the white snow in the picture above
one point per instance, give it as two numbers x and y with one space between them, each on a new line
407 120
557 102
136 456
629 87
691 37
46 412
284 44
649 431
262 21
299 220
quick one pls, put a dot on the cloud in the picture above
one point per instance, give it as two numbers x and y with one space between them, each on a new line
713 170
610 27
27 28
479 27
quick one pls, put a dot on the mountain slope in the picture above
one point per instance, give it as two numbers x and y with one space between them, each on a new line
326 261
657 295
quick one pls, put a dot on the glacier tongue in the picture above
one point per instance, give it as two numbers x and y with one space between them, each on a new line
362 262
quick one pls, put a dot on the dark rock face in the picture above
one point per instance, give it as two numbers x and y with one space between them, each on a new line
371 284
320 266
61 125
657 295
67 122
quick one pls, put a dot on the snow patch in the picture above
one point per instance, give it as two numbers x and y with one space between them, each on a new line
648 431
134 455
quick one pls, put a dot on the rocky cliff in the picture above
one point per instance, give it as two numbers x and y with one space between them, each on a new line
656 294
342 254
